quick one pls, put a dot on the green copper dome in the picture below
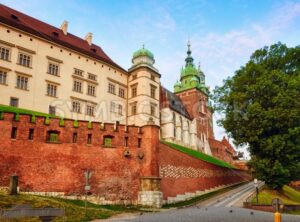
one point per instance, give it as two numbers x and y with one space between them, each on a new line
194 79
143 52
189 70
177 84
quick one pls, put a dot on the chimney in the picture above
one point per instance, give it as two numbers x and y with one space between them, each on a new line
89 38
64 27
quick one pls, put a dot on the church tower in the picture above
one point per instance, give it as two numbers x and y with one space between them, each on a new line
195 96
143 88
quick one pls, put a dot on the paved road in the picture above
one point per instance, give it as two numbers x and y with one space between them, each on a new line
222 208
233 198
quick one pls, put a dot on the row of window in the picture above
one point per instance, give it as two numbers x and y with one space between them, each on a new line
25 59
22 83
78 87
53 137
112 89
152 109
152 91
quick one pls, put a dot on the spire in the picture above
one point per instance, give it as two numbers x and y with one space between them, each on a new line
189 59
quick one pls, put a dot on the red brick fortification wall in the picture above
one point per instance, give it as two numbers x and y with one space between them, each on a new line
181 173
59 167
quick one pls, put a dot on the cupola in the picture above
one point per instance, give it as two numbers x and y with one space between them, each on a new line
143 56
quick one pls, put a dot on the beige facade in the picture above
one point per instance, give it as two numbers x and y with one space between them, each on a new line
54 65
73 85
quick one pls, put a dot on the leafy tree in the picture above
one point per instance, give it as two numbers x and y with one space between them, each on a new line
261 108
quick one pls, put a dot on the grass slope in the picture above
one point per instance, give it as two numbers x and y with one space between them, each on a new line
74 209
12 109
288 195
199 155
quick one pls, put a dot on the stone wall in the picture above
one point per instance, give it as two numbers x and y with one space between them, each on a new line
59 166
181 173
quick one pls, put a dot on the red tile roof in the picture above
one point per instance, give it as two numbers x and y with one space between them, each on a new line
48 32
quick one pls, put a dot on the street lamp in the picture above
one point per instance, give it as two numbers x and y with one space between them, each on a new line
256 189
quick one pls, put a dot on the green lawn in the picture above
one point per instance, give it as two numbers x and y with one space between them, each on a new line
12 109
199 155
287 195
74 208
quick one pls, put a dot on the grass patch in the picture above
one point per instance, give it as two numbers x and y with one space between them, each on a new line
12 109
266 196
291 193
74 209
199 155
201 198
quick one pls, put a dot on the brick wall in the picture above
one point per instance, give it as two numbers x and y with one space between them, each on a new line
59 167
181 173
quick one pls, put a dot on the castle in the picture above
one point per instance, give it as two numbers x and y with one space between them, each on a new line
82 102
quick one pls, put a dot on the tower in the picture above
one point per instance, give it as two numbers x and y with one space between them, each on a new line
143 87
195 96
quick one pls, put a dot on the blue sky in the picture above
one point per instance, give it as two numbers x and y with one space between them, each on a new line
223 33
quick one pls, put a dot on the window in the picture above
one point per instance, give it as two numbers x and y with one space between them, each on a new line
153 77
139 142
78 72
22 82
51 90
52 136
90 110
76 107
134 91
53 69
120 108
122 92
14 102
30 135
112 107
111 88
77 86
152 109
74 138
91 90
14 132
52 110
3 77
133 109
134 77
107 141
89 139
92 77
24 59
152 91
4 53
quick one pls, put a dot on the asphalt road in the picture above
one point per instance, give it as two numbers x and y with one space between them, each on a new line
222 208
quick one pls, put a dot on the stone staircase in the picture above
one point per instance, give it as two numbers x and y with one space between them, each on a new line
188 195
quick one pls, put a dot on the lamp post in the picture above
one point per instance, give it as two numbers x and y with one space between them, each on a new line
87 187
256 189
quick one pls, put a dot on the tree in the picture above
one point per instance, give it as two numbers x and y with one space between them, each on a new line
261 108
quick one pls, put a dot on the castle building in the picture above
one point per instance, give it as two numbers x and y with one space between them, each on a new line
49 70
66 108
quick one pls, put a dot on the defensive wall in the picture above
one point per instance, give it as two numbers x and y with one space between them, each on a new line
128 163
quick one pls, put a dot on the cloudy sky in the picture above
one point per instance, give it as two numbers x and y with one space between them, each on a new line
223 33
